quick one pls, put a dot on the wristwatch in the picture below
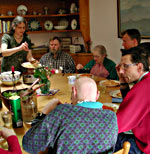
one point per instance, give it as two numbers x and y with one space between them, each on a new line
40 115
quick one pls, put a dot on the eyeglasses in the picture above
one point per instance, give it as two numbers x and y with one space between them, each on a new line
94 56
125 66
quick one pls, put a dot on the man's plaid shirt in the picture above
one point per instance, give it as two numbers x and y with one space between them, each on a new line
63 59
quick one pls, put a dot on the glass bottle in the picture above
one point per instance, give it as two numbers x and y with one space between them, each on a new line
29 107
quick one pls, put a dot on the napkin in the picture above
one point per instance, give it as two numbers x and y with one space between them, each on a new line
51 92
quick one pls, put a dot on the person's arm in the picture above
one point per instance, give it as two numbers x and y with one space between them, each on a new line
8 52
42 134
90 64
133 108
30 57
70 64
13 144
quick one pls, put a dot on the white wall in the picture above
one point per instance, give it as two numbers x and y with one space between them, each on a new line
103 26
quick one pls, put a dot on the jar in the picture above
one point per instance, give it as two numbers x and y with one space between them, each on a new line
29 107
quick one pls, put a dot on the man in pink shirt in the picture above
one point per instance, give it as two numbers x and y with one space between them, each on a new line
134 112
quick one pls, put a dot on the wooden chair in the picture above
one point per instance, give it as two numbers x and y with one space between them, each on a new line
125 149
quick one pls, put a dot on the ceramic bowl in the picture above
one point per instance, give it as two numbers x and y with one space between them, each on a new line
7 79
6 101
60 27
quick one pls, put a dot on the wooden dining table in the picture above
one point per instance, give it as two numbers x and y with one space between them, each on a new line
58 82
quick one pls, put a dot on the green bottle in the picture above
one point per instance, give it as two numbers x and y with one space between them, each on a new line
16 113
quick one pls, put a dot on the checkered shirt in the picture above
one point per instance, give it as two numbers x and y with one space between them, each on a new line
63 59
73 130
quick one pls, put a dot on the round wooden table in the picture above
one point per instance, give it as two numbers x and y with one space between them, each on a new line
58 81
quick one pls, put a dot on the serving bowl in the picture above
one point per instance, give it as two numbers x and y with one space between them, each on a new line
5 100
60 27
7 78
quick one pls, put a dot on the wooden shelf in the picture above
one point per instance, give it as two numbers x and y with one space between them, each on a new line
41 16
82 16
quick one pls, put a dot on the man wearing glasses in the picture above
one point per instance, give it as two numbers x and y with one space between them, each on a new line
134 112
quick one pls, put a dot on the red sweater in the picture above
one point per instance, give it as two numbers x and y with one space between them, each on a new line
14 147
134 113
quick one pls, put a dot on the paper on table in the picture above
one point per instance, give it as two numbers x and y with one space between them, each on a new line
51 92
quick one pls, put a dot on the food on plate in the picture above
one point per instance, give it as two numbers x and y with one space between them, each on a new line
87 75
110 106
30 65
110 83
119 94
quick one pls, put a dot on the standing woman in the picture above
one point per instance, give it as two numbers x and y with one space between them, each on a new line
16 46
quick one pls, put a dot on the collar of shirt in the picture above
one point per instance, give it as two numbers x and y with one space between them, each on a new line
87 104
142 76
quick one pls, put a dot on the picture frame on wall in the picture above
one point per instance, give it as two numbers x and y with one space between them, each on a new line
134 14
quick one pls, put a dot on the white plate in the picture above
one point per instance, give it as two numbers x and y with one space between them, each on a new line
33 24
60 27
114 106
74 24
114 93
63 22
21 9
109 83
29 65
48 25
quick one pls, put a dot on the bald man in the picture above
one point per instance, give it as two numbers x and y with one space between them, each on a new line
79 127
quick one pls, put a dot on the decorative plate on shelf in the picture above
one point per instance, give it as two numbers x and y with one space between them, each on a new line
63 22
33 24
74 24
48 25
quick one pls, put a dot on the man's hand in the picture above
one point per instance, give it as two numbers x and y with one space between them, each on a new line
51 105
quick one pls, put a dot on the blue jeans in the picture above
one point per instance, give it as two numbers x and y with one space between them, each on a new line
127 137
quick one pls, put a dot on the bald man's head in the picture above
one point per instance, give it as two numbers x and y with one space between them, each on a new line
84 89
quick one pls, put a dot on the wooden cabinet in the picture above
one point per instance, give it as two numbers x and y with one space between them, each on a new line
36 22
81 58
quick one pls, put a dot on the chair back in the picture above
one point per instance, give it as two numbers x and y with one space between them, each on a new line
125 149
